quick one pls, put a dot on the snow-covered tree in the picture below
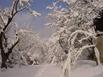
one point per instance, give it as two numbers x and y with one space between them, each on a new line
7 44
75 28
30 48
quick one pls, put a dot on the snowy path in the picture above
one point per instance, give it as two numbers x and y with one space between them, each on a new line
33 71
82 69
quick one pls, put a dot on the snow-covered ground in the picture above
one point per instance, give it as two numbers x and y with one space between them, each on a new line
82 69
87 69
33 71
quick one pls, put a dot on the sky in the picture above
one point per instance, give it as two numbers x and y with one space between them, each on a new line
37 23
39 5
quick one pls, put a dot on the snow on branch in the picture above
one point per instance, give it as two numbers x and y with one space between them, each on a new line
84 39
81 32
81 50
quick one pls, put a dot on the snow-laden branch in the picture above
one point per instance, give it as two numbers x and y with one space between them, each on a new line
84 39
81 51
67 64
97 54
73 39
81 32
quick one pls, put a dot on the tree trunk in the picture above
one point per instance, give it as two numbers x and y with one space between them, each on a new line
3 54
4 60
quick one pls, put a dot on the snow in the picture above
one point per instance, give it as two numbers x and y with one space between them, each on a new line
87 69
81 69
33 71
